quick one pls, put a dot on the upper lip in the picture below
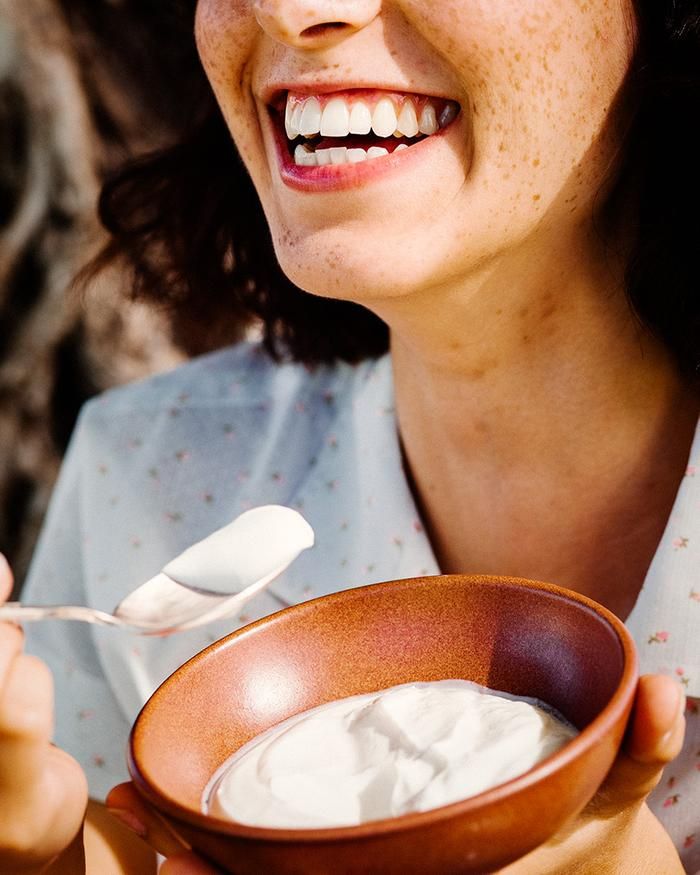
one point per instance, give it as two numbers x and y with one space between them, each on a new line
272 92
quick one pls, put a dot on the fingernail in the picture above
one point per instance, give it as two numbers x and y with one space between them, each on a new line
682 704
128 818
680 712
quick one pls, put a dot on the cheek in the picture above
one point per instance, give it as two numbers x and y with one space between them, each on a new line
225 32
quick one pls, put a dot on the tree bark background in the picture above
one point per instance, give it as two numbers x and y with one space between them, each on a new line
57 347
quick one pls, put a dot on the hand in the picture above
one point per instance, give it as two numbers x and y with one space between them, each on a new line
43 791
127 806
616 834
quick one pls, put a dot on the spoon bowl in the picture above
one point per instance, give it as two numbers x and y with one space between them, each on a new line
210 580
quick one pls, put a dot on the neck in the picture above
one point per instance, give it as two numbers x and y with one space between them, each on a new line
541 425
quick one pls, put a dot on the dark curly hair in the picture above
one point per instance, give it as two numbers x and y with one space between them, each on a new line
187 220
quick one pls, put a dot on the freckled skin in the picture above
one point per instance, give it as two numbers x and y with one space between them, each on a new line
535 79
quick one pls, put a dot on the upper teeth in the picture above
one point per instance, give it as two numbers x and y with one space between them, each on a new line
342 116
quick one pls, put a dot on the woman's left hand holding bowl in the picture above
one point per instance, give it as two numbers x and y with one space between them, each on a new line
616 834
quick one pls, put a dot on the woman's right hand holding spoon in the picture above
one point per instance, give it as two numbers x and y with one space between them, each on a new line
43 791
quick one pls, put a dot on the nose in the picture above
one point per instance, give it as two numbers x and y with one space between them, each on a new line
314 24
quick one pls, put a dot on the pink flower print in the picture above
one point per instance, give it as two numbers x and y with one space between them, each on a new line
333 442
671 782
183 397
331 485
207 497
679 543
183 455
682 677
658 638
277 477
243 476
98 761
695 596
396 540
135 541
689 841
670 801
344 526
135 443
153 474
690 470
229 431
86 714
417 526
102 469
173 516
300 407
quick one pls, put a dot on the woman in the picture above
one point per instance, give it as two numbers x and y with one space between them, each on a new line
528 421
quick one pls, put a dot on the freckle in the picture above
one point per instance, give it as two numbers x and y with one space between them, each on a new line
526 338
536 162
499 312
536 197
523 312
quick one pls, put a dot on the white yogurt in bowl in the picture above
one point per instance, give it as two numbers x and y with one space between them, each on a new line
412 747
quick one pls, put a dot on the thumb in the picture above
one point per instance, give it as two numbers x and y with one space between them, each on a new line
6 579
654 738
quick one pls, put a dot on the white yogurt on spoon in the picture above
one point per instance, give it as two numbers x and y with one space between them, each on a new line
412 747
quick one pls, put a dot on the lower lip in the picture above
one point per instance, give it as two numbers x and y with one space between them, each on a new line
342 177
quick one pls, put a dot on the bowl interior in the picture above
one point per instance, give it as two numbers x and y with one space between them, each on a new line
528 639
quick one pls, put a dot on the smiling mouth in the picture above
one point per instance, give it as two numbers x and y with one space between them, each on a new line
354 126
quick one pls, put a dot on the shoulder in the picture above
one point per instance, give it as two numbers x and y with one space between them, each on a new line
240 376
239 387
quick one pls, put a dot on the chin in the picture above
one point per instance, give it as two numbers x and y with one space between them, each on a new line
347 276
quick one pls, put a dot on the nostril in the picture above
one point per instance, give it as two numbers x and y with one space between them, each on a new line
325 29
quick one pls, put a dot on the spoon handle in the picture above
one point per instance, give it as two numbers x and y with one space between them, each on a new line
16 612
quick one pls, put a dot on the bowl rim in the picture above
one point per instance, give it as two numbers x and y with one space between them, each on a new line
619 705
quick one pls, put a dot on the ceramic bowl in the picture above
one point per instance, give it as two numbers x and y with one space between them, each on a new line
527 638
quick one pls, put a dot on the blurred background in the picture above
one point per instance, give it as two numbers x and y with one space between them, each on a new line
83 85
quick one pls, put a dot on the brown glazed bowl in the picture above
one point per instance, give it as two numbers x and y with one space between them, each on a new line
527 638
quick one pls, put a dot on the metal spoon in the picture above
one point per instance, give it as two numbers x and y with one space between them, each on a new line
212 579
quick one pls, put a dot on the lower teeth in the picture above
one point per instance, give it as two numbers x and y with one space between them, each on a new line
304 157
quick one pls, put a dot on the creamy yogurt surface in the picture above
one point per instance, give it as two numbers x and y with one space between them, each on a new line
412 747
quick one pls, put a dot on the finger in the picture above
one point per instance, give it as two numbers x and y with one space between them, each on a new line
11 640
6 579
124 803
654 738
657 727
26 723
187 864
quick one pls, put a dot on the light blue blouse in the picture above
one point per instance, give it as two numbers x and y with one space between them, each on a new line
157 465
